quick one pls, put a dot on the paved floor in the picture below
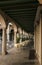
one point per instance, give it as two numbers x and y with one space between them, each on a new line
17 56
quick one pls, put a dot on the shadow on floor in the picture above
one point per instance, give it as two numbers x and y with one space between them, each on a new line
32 54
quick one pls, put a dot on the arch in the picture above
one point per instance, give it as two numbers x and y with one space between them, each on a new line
2 22
37 18
38 33
40 1
9 28
10 34
2 33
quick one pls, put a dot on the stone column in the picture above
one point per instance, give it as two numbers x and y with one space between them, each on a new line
38 35
4 41
15 31
7 37
14 37
20 33
8 33
41 41
20 39
34 36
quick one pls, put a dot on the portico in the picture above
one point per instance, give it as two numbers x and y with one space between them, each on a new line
22 21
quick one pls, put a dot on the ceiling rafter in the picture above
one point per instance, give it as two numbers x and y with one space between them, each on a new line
30 9
22 11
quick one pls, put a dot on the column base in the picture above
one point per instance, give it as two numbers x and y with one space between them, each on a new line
5 53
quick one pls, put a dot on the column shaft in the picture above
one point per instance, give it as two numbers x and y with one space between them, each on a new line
8 33
14 37
34 37
4 42
20 38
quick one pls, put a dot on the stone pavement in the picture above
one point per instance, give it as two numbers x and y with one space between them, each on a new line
17 57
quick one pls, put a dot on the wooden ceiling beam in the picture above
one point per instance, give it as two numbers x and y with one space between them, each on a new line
17 10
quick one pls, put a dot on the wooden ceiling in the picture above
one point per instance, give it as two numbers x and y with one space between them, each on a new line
22 11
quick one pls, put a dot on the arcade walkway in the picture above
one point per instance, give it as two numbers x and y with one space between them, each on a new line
18 56
19 21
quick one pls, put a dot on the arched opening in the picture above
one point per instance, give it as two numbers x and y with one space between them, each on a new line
10 36
2 35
